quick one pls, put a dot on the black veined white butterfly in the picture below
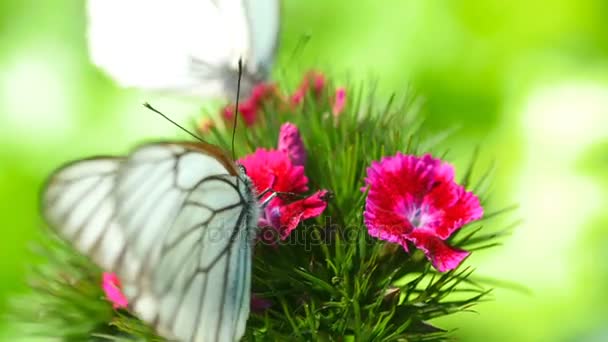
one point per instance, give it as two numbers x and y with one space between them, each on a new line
175 221
184 46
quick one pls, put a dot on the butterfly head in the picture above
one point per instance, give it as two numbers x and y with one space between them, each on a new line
242 169
248 187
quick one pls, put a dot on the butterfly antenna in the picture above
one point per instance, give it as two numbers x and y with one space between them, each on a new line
147 105
236 108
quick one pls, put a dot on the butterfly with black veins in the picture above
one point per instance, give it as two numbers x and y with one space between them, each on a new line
189 47
176 222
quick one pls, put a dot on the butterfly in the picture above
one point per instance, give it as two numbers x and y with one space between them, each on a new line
176 222
188 47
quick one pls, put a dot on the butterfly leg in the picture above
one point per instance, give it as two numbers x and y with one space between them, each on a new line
267 200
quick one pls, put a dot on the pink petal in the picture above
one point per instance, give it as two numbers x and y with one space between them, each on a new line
259 304
386 225
442 256
111 287
248 110
250 107
228 113
458 207
272 169
314 205
318 81
298 96
261 92
291 142
339 101
313 79
287 217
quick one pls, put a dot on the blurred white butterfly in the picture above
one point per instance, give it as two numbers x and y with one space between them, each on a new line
184 46
175 221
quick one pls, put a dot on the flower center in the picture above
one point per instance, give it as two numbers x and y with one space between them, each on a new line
418 216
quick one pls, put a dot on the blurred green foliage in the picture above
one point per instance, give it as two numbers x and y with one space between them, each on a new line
525 80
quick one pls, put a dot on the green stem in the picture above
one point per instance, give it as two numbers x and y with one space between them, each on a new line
293 324
357 311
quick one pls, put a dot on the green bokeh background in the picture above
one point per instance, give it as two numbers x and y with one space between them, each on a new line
527 81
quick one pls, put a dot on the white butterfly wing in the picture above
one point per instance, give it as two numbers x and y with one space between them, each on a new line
185 46
185 217
196 241
263 17
79 204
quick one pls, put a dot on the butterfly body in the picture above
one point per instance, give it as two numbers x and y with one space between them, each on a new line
176 222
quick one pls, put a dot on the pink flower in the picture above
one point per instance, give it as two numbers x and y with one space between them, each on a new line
416 199
277 171
291 143
272 169
318 82
248 111
250 107
339 101
312 79
259 304
112 288
261 92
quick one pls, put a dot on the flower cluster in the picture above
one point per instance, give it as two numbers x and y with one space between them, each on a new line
250 107
313 83
282 172
410 200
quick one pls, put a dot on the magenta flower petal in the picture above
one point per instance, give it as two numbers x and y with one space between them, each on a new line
312 206
112 288
285 218
228 113
249 108
318 80
442 256
416 199
261 92
259 304
458 206
272 169
313 80
298 96
339 101
291 143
